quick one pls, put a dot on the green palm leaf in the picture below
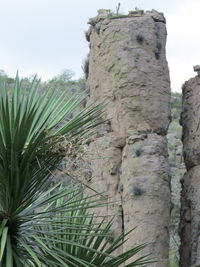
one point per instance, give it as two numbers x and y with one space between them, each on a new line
42 225
31 126
81 240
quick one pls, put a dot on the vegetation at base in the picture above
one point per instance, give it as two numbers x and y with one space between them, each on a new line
42 224
177 167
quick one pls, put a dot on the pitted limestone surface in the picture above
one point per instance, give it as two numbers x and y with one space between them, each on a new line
190 197
128 70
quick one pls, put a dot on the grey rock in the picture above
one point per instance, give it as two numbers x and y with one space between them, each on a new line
129 71
190 198
190 219
132 77
191 122
146 195
196 68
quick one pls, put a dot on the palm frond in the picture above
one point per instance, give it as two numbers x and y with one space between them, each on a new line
83 239
41 224
31 126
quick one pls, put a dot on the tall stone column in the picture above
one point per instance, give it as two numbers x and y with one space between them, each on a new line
128 70
190 197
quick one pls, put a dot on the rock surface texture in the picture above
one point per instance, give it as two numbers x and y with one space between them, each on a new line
190 198
128 70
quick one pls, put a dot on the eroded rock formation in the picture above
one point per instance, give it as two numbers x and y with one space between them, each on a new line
190 206
128 70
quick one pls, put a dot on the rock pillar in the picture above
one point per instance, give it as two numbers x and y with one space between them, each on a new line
190 198
128 70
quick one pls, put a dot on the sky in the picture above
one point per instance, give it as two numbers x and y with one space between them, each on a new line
47 36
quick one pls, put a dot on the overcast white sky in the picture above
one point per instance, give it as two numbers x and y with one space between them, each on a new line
46 36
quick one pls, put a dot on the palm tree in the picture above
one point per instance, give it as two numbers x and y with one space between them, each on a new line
41 224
